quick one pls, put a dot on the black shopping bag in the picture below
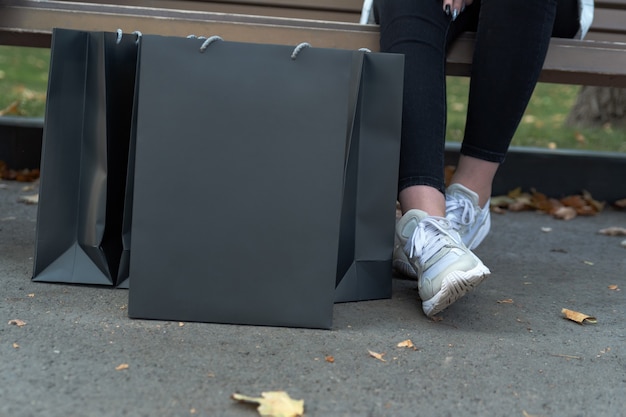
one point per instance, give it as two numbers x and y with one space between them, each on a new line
84 157
252 166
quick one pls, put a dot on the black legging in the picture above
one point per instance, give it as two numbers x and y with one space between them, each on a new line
512 38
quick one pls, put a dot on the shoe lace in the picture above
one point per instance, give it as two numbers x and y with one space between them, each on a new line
460 212
428 238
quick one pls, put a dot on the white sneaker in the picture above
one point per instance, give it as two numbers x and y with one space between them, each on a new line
445 267
466 216
404 230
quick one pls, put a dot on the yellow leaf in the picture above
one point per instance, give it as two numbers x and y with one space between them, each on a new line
122 367
579 318
274 404
407 344
17 322
378 356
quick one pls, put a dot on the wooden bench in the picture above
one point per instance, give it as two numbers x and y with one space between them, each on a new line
599 60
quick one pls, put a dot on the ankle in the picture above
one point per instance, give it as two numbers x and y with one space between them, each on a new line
425 198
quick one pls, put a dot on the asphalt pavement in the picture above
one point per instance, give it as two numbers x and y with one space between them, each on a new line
503 350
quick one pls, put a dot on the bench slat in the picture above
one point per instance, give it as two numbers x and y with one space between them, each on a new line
323 10
613 21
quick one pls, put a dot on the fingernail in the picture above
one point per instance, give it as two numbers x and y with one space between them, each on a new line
455 13
448 9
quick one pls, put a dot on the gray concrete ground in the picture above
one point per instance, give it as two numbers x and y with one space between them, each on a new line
503 350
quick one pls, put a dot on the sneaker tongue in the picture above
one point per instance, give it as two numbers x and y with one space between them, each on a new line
462 191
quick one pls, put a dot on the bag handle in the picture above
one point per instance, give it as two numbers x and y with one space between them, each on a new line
120 33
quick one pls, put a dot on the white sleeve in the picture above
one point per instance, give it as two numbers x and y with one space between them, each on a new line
585 8
366 12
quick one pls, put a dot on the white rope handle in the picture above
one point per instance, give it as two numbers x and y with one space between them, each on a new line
120 34
209 41
299 48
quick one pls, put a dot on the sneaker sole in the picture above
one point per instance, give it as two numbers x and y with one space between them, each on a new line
453 287
405 269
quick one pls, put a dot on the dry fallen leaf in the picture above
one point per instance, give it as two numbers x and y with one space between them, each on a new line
613 287
330 359
12 109
613 231
565 213
580 138
23 175
507 301
407 344
579 318
16 346
274 404
30 199
17 322
122 367
596 205
566 208
378 356
620 203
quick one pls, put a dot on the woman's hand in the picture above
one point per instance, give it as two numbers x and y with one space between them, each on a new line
454 7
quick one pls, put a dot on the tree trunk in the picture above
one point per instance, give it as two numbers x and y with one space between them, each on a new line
599 106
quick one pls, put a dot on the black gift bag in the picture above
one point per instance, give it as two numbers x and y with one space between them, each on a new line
265 181
84 157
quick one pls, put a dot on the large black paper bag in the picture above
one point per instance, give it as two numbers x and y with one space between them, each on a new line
367 222
84 157
242 155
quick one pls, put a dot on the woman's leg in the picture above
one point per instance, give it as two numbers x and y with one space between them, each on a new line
512 40
427 247
421 31
511 44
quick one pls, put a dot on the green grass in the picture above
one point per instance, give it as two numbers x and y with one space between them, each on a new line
543 123
24 74
24 79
